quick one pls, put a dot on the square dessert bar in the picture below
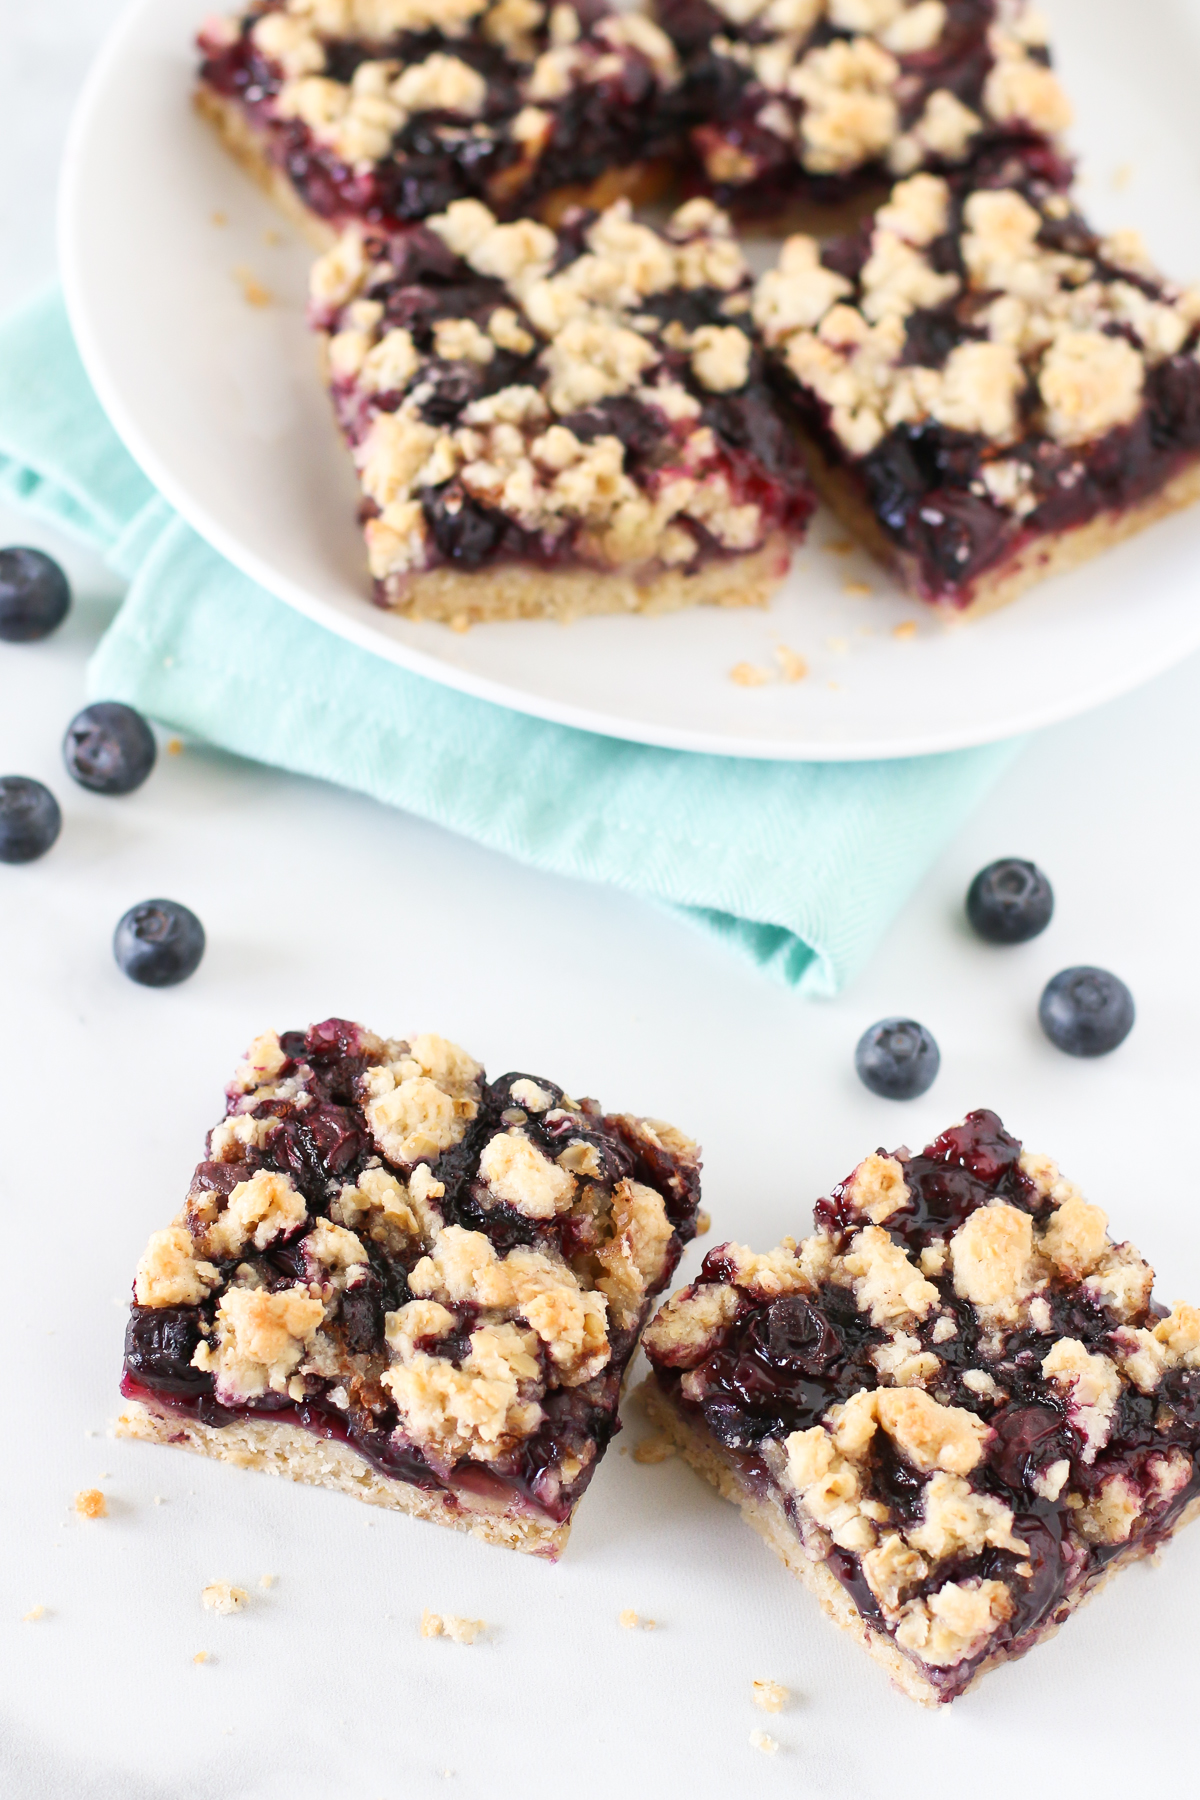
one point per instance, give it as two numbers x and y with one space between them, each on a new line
388 110
801 105
395 1278
547 424
953 1412
991 393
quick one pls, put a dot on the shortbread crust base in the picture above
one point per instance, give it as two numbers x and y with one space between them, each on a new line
518 591
1055 553
288 1450
765 1513
641 183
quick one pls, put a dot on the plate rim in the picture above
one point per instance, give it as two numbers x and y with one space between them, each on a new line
1035 716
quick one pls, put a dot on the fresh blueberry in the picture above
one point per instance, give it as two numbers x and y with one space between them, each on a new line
1010 901
897 1059
1086 1012
29 819
159 943
34 595
109 748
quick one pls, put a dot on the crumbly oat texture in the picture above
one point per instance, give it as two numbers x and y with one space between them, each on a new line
388 112
91 1504
953 1425
551 424
397 1279
804 100
991 391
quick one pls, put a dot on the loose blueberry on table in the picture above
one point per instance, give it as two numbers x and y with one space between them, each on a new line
396 1278
159 943
1010 902
952 1411
1086 1012
109 748
35 596
30 819
897 1059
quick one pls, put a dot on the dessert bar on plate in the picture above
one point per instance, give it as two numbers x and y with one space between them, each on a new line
953 1412
803 105
990 391
547 424
388 110
395 1278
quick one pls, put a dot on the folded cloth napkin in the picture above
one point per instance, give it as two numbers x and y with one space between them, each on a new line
798 865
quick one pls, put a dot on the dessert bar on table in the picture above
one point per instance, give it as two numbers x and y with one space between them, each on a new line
395 1278
800 107
547 424
953 1412
990 391
389 110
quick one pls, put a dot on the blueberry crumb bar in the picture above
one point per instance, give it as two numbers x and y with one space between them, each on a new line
954 1411
806 105
388 110
394 1278
549 424
990 391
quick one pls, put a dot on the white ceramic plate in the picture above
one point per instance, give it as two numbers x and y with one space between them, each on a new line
219 402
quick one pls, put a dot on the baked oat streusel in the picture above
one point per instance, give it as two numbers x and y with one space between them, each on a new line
398 1279
991 391
557 423
954 1411
389 110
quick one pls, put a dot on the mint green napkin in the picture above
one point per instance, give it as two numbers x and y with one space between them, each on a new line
798 865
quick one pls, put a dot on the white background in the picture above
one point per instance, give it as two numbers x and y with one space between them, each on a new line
318 901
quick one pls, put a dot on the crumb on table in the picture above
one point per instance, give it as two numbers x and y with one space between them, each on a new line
33 1615
760 1740
792 666
907 628
768 1696
221 1597
91 1504
631 1621
703 1222
460 621
746 674
253 291
460 1631
201 1656
857 590
653 1450
174 746
266 1581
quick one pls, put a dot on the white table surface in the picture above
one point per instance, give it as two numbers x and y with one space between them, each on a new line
317 901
